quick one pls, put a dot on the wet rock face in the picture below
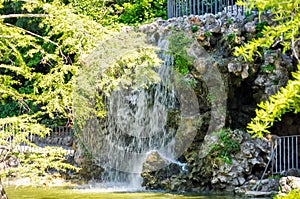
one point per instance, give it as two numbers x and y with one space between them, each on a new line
210 173
156 170
89 168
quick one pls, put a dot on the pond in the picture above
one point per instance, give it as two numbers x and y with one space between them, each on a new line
60 193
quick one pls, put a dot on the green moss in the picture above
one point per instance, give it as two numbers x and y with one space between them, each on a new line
268 68
195 28
231 37
208 34
276 81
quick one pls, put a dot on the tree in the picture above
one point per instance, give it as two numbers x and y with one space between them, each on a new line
286 17
41 46
109 12
137 11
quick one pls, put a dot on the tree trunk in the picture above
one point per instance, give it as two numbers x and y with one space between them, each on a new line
2 192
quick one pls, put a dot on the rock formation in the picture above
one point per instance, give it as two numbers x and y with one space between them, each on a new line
246 85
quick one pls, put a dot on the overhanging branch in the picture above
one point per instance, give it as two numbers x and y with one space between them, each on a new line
23 15
36 35
31 33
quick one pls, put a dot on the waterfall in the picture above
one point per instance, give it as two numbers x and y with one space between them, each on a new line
136 124
160 117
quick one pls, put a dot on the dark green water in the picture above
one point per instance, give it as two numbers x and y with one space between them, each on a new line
59 193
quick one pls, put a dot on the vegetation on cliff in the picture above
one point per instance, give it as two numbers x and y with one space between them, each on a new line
284 32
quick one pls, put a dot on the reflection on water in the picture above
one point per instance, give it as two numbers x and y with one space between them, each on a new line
59 193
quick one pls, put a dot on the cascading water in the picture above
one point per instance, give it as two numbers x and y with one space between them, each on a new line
161 117
137 122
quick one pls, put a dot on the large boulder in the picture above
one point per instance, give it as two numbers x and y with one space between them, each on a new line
157 169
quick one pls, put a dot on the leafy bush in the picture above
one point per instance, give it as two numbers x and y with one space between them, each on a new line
286 17
96 9
136 11
37 74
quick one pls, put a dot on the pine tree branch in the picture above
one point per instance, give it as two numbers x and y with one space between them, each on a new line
36 35
24 15
32 33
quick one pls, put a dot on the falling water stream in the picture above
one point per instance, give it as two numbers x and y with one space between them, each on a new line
136 124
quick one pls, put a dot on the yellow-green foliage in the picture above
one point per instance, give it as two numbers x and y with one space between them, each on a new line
287 18
39 163
286 100
286 31
294 194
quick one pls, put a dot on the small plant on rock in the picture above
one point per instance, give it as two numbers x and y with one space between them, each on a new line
268 68
208 34
225 147
177 47
195 28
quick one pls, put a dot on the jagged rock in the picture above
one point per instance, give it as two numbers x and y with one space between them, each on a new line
209 19
154 162
241 180
67 141
247 149
79 157
204 171
288 183
159 173
235 68
250 27
255 194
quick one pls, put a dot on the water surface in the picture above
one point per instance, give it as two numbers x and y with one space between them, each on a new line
60 193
